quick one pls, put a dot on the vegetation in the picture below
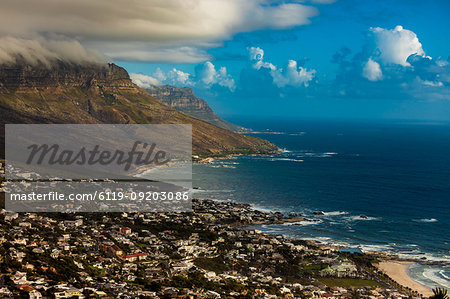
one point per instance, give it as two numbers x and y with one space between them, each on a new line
361 260
216 264
348 282
439 293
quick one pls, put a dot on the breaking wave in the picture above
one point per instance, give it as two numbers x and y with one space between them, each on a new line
426 220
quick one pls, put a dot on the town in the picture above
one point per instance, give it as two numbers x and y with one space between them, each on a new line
208 253
211 252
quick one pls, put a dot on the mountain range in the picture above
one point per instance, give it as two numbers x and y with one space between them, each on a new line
104 93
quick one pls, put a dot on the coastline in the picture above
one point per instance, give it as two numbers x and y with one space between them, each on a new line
395 267
397 270
197 160
390 264
210 159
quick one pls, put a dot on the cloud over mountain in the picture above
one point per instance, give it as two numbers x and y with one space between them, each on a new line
45 51
144 81
149 30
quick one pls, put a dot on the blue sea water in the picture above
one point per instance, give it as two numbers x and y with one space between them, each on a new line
381 186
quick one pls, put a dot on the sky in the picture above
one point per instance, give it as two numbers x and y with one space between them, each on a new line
256 58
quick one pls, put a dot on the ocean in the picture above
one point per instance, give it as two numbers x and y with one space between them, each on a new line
375 186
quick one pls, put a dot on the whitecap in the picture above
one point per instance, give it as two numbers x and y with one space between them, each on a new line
318 239
227 166
317 155
303 223
362 218
376 248
297 134
335 213
435 276
285 159
426 220
443 275
266 132
416 254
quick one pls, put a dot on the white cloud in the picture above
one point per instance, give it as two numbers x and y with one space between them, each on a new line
149 30
144 81
177 77
172 77
441 63
159 75
292 75
397 44
205 77
46 51
255 53
208 73
431 83
372 70
209 76
224 79
139 51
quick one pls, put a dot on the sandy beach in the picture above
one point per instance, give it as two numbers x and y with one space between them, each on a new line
397 270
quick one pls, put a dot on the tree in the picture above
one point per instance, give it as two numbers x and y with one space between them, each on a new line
439 293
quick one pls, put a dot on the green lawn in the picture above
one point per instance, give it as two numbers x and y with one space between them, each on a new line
315 267
348 282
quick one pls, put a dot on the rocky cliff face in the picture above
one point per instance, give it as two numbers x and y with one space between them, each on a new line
22 76
184 100
67 93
